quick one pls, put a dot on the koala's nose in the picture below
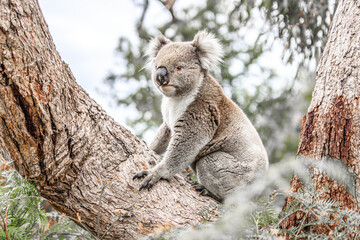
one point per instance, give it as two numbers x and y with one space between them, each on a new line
161 76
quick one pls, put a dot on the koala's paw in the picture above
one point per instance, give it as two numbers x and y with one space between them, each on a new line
198 187
204 192
141 174
149 181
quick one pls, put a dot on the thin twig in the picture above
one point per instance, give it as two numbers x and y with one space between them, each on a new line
4 226
318 218
66 234
302 222
82 225
287 215
141 20
169 6
257 225
109 228
172 15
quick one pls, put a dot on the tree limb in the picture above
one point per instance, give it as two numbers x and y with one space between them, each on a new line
63 141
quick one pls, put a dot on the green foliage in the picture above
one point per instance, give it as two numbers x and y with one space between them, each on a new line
209 213
264 214
193 177
302 25
22 212
23 215
317 211
64 229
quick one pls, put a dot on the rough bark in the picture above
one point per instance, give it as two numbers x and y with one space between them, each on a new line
57 136
330 129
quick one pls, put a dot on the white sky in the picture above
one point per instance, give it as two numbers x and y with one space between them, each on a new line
86 34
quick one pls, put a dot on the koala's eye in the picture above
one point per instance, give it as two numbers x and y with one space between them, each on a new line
179 68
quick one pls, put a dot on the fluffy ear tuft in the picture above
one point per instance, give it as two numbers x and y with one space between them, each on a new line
209 49
153 48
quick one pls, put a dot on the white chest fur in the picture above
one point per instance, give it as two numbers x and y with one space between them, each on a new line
174 107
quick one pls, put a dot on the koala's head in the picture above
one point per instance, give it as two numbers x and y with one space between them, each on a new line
178 67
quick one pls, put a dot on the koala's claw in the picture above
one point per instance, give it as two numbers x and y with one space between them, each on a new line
206 192
146 184
149 181
141 174
198 187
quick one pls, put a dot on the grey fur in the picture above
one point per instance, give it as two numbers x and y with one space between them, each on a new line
202 128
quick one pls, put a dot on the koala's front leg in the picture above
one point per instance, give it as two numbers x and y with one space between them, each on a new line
181 153
158 145
161 140
149 180
183 148
152 176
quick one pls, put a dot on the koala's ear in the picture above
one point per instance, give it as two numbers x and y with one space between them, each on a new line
208 49
154 47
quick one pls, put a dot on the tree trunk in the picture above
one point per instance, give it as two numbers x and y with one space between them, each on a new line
331 128
57 136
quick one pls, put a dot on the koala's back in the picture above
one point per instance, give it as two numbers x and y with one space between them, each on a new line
234 132
235 148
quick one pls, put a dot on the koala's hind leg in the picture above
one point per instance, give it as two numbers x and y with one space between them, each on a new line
220 174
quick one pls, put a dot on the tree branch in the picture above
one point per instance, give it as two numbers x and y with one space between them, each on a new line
59 137
141 20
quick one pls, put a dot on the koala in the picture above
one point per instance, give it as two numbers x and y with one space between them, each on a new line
202 128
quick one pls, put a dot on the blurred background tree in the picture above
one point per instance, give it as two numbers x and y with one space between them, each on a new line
274 93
